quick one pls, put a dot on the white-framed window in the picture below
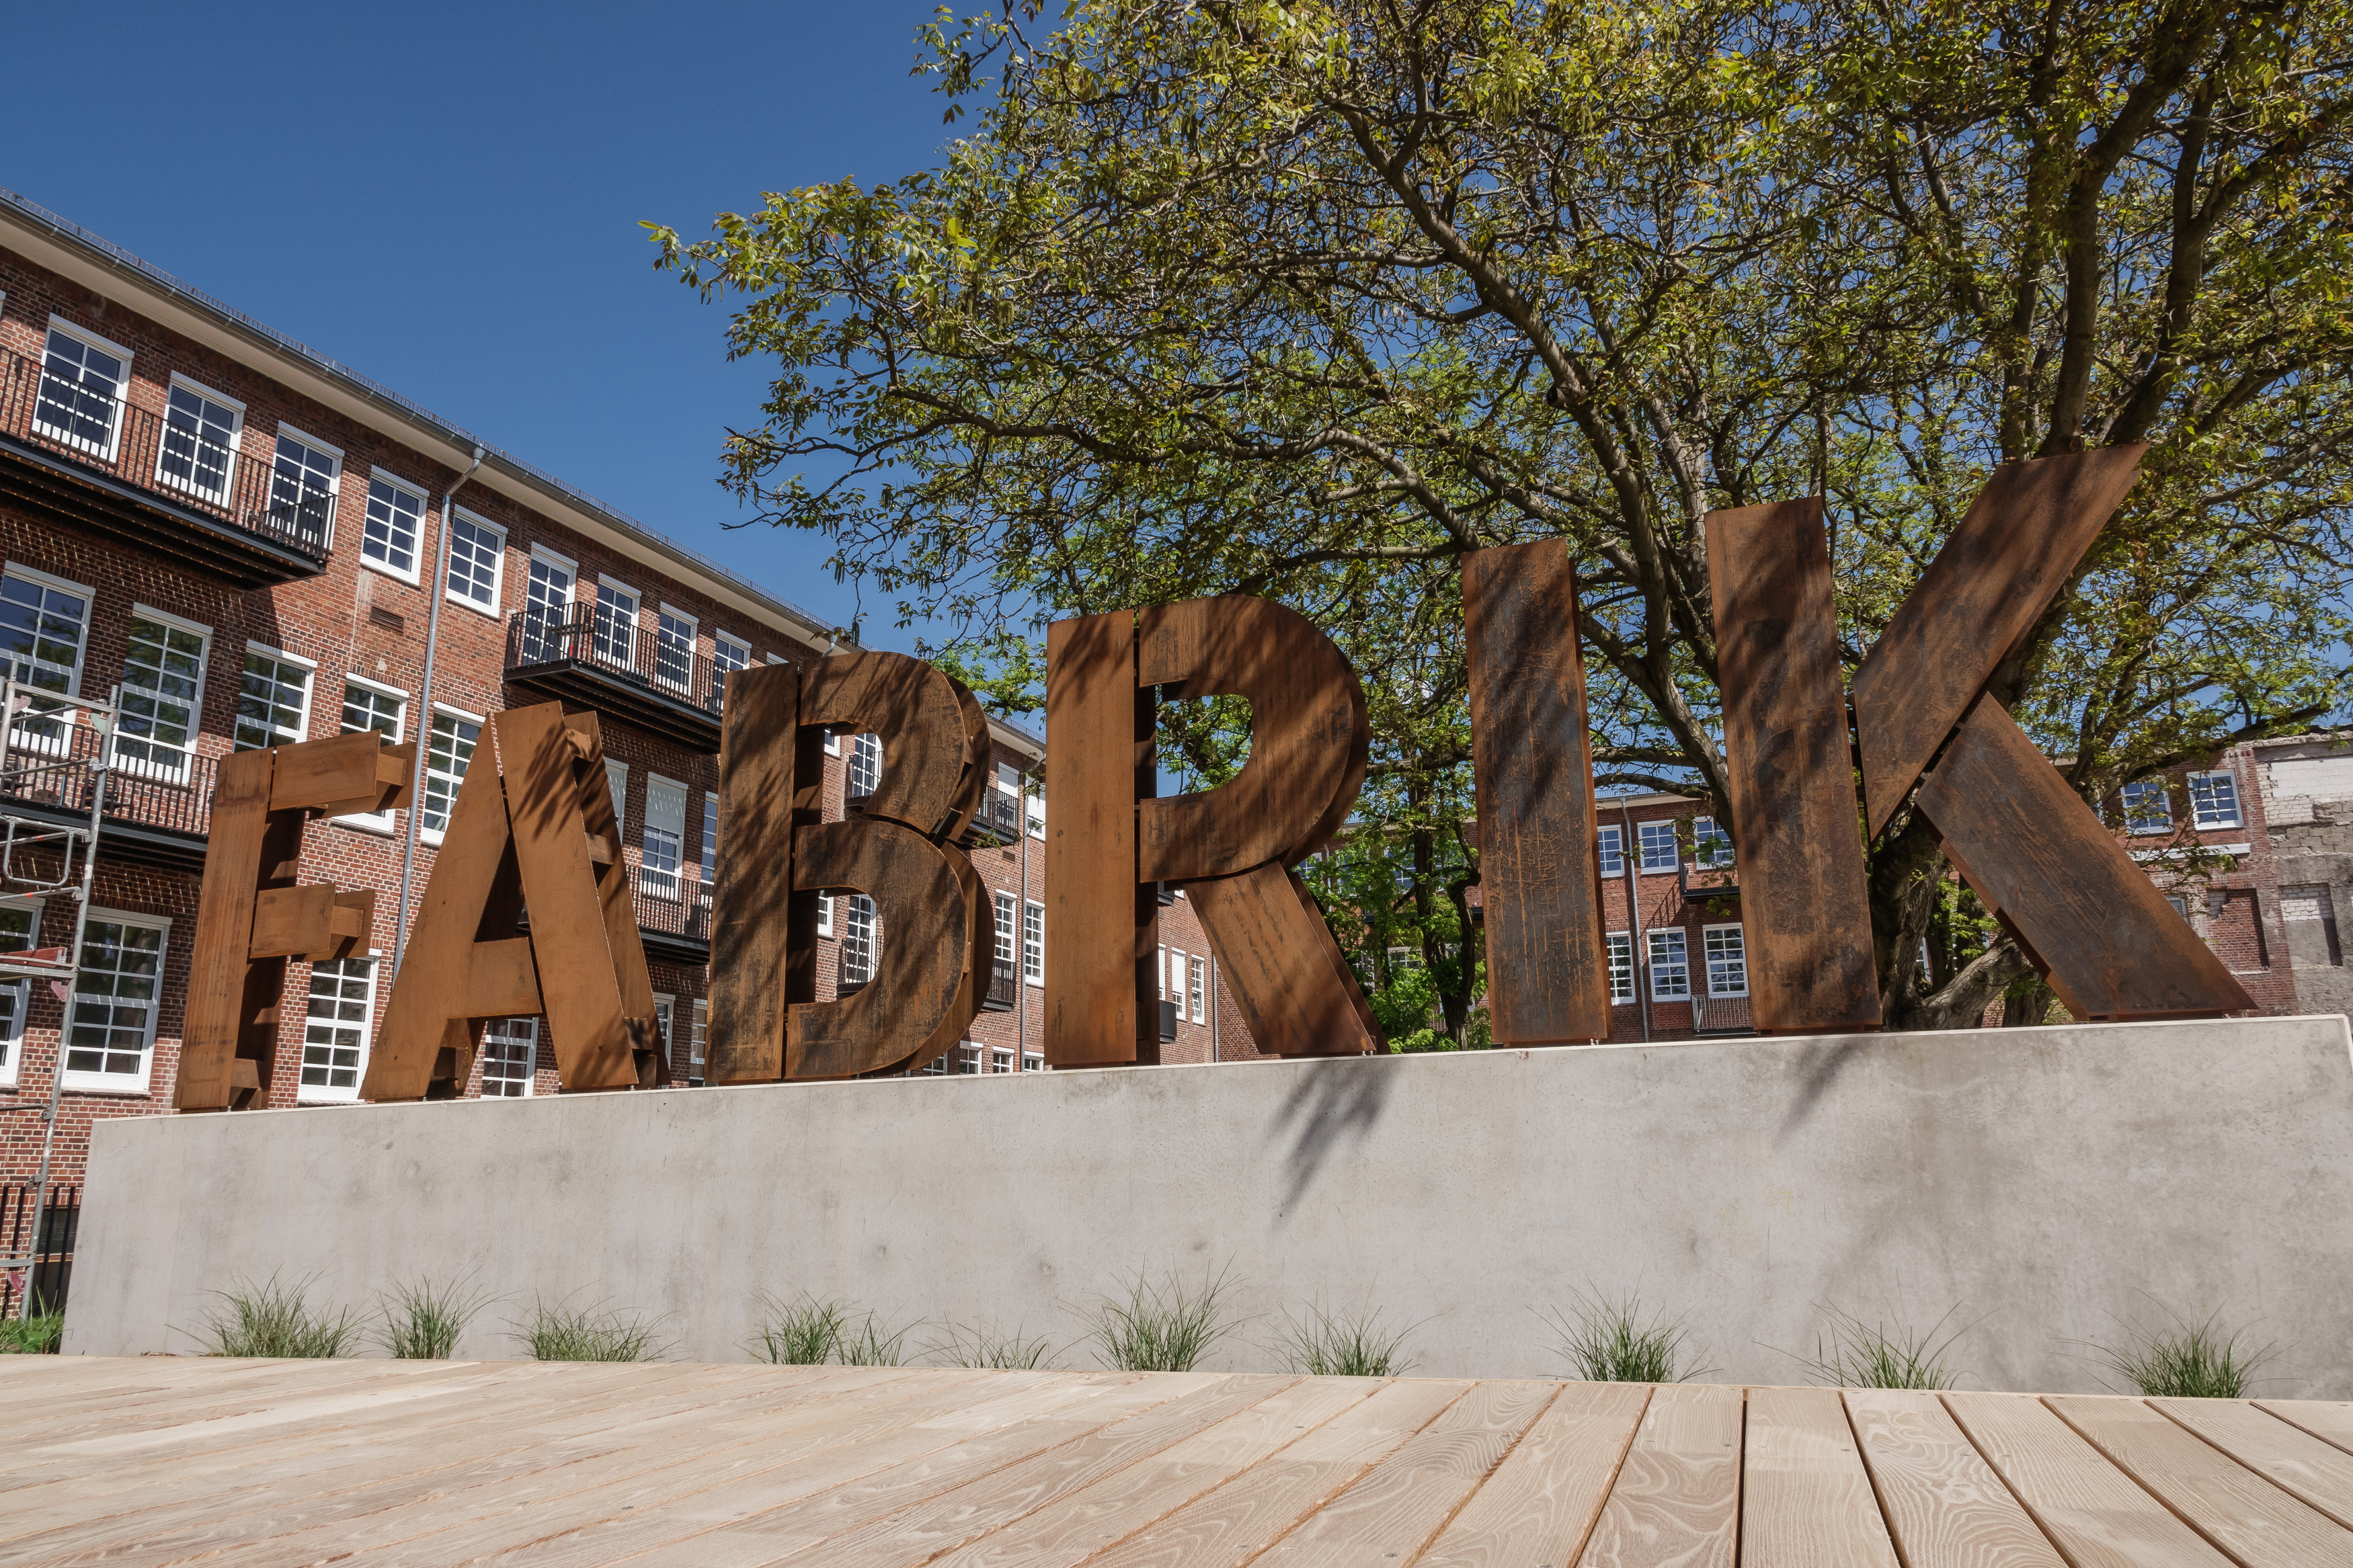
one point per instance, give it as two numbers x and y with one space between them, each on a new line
663 837
968 1058
710 844
617 622
617 780
20 928
2214 801
478 554
1177 969
1037 810
1711 845
547 605
198 449
1670 964
1033 942
1007 928
1656 840
448 753
1613 845
936 1067
83 379
111 1033
825 914
510 1057
2146 807
865 765
1000 1058
726 653
1008 780
674 650
1620 947
1198 984
396 521
342 1024
665 1014
1726 951
304 480
368 705
697 1036
163 694
44 628
1161 970
832 744
273 699
858 939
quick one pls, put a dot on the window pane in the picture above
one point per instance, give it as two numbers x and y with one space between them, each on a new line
709 841
1670 966
1727 962
81 392
2145 810
617 624
41 631
1622 966
858 938
865 765
451 751
197 437
1711 845
1005 936
1656 840
726 654
474 555
335 1041
2214 800
1033 941
673 650
1613 852
272 701
510 1057
395 517
547 606
162 675
301 490
114 1000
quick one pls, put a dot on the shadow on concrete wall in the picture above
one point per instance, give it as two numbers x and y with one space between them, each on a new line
1334 1099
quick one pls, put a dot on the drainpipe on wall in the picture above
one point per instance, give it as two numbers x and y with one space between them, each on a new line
1020 913
438 588
1635 959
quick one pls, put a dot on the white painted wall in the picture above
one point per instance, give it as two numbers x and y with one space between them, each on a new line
2044 1182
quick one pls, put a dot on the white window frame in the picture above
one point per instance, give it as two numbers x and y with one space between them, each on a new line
1709 936
1642 849
1197 976
727 652
860 904
529 1080
89 596
373 821
328 1094
494 609
198 629
698 1039
628 656
1006 912
1164 971
1033 974
426 832
111 1083
416 573
1657 937
310 690
1033 812
1033 1062
12 1035
2148 788
1706 836
832 743
707 859
122 394
236 440
684 685
617 784
1618 956
665 1019
1609 849
2197 808
327 449
647 827
825 914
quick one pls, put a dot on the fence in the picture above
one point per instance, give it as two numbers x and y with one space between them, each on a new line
50 766
51 1253
618 648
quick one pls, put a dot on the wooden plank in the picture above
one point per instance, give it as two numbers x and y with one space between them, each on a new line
1401 1503
1803 897
1540 1505
926 937
2331 1420
2097 1516
1943 1503
1805 1495
1234 1522
1279 959
973 953
1309 736
2035 853
980 762
1677 1500
751 907
1060 1535
2319 1474
1994 578
220 999
338 774
2237 1509
1100 999
1539 864
616 900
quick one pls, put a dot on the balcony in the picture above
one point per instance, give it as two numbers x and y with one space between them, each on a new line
618 671
101 464
1167 1022
673 916
1706 881
999 820
155 813
1004 988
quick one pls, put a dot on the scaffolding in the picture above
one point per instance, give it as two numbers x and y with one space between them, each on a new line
56 754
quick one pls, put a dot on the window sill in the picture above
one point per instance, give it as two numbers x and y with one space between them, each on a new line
488 612
380 827
314 1098
412 577
91 1083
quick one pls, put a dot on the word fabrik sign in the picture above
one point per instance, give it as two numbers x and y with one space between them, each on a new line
533 826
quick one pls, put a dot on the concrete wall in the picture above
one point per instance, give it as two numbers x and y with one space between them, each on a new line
2041 1184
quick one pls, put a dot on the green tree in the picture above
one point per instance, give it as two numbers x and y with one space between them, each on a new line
1308 300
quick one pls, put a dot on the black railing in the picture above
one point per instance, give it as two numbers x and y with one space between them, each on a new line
1168 1020
51 1253
190 468
1000 816
676 905
49 766
1004 988
622 650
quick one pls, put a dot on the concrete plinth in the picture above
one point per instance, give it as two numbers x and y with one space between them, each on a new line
2040 1183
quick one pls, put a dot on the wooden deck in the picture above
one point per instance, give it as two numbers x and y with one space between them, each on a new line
157 1460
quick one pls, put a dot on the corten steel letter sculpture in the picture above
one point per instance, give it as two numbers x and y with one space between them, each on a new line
1231 848
1539 862
251 916
938 926
532 825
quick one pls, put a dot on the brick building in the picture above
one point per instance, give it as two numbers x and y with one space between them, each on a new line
2305 786
258 546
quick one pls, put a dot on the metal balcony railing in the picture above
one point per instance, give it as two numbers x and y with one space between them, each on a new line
999 817
183 470
673 905
618 666
1004 988
50 770
1721 1016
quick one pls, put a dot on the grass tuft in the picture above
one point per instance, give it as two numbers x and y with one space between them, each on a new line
1166 1326
871 1345
562 1332
803 1331
276 1318
1328 1344
2185 1360
422 1320
36 1335
1607 1340
989 1349
1870 1355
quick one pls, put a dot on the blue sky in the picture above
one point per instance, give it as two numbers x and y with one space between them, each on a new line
447 199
